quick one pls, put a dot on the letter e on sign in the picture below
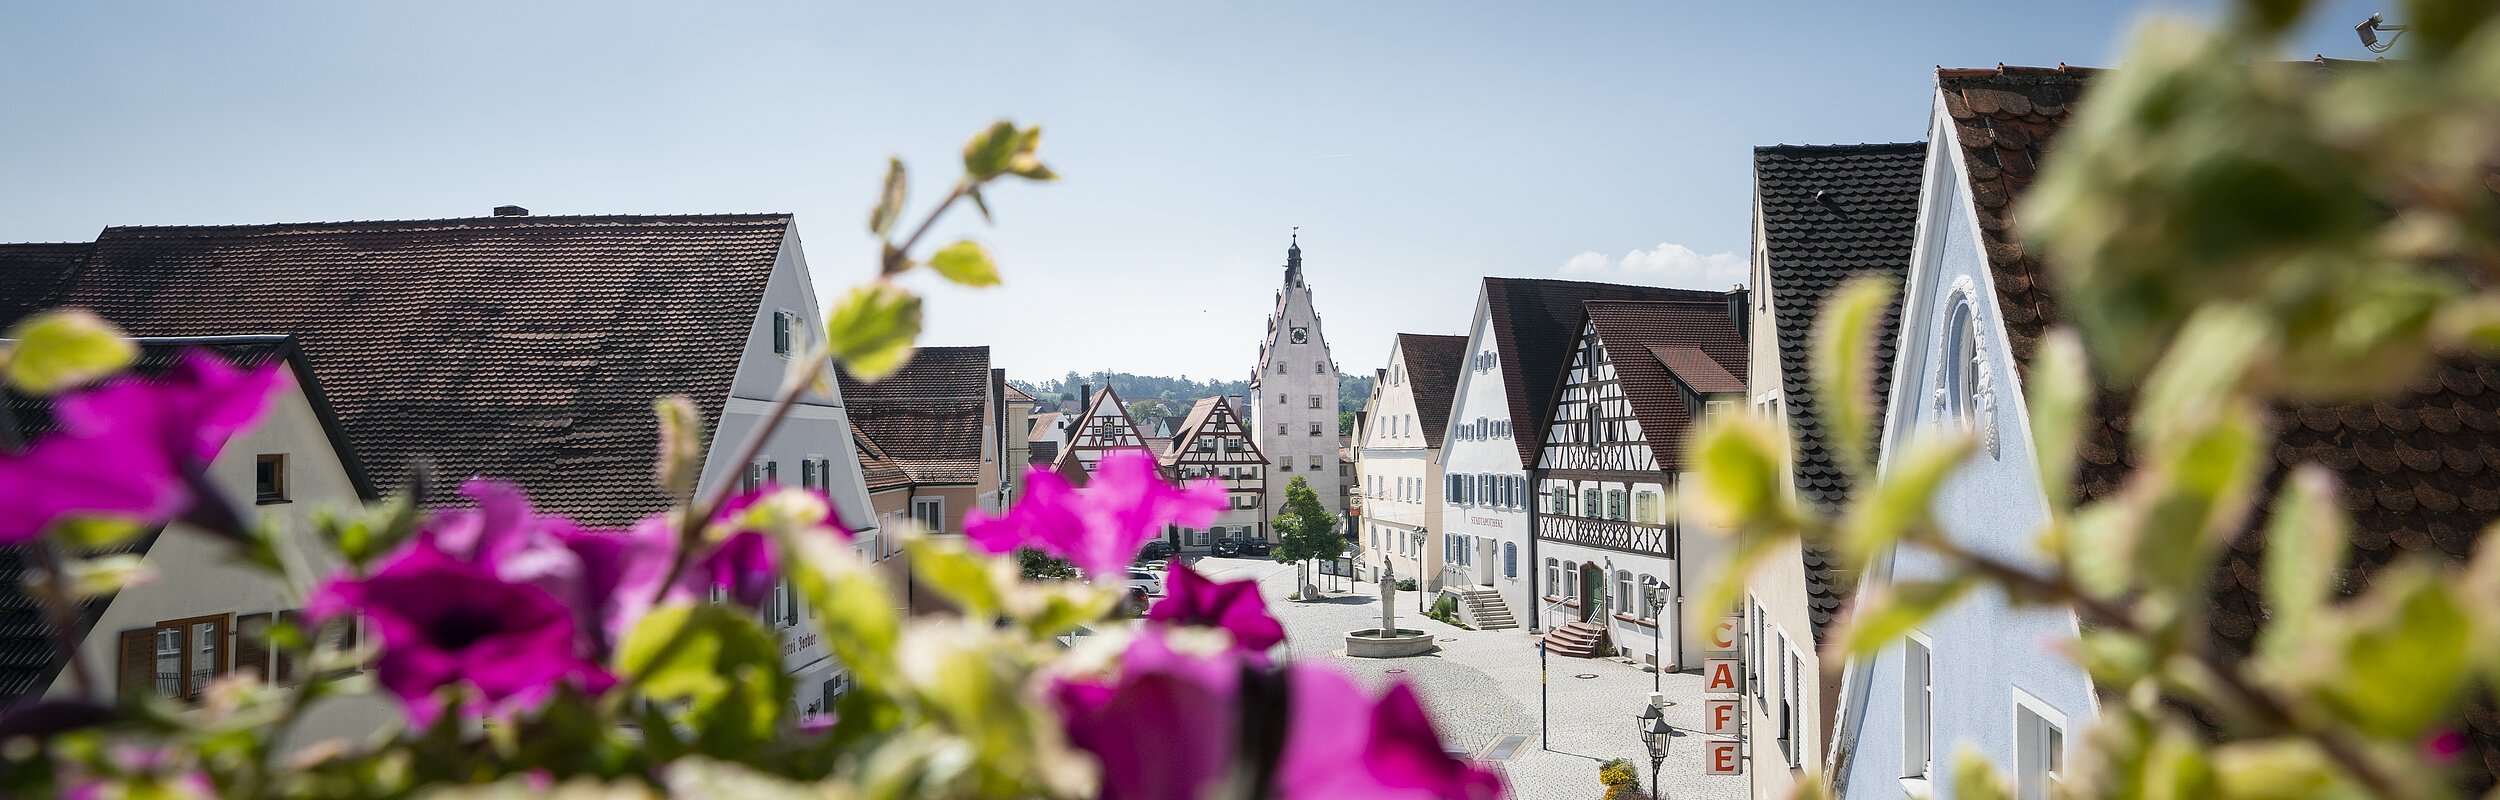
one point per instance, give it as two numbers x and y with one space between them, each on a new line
1722 757
1723 638
1722 675
1718 717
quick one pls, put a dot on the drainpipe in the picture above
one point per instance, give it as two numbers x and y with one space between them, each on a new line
1536 565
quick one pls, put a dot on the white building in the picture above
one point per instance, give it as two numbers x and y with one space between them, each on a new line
1518 341
1822 215
1293 396
1400 449
528 349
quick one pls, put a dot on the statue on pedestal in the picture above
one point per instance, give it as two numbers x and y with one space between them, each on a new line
1388 598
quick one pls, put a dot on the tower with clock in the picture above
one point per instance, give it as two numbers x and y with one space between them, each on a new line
1293 395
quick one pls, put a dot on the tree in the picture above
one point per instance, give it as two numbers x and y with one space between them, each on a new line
1305 530
1345 423
1148 407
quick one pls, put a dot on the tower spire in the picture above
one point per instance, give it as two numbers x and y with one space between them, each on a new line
1293 259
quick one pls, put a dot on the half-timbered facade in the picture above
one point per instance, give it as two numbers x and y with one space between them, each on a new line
1214 442
1640 380
1101 427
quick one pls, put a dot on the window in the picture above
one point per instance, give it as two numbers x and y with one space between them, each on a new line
1571 580
1285 463
1590 505
2039 750
783 322
1788 709
1918 704
1558 501
1623 592
1314 401
174 659
1553 578
269 478
1314 462
1281 429
1959 374
1753 654
1614 504
1320 368
816 473
930 512
1280 396
1510 560
760 474
1647 610
1315 431
1280 370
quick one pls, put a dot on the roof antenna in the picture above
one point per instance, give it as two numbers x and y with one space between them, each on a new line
2369 29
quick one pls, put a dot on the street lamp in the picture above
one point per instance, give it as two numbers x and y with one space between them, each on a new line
1654 730
1657 634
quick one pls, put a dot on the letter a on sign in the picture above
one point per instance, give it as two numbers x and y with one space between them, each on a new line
1723 638
1722 757
1722 675
1718 717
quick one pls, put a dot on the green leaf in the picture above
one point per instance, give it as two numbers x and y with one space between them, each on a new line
973 193
1743 478
1027 162
854 612
873 328
2200 377
1059 607
103 575
967 263
991 151
2305 544
1974 778
718 660
2277 769
1843 364
970 581
1901 502
890 201
681 446
62 349
94 532
2408 656
2060 385
1884 614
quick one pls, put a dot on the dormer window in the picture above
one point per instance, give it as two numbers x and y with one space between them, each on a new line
269 478
784 323
1959 376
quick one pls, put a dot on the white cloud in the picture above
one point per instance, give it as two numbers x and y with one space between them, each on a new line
1668 264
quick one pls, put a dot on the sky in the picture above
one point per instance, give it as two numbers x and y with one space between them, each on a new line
1418 146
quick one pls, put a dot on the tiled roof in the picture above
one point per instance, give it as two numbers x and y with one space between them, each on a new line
31 275
1536 323
29 662
1697 369
1630 330
2415 467
875 468
927 417
1830 213
1041 428
525 348
1432 367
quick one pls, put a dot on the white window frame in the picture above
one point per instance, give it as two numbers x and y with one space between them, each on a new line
1918 706
2039 747
935 521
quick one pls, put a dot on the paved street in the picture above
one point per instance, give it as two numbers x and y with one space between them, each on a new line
1482 686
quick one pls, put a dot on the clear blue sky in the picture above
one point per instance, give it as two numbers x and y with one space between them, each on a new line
1418 145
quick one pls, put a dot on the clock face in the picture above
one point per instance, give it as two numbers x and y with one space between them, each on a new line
1301 335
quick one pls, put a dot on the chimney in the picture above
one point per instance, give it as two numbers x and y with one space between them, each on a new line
511 211
1738 310
1084 397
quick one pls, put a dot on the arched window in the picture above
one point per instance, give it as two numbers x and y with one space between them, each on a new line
1623 591
1959 374
1510 560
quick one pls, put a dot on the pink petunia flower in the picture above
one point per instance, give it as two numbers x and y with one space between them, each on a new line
445 621
1101 527
133 446
1175 724
1234 606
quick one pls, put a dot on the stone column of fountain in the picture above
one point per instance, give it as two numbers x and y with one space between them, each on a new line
1388 640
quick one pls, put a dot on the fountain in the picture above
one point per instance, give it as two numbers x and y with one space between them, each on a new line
1388 640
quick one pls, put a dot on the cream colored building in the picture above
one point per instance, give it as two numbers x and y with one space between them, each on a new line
1400 456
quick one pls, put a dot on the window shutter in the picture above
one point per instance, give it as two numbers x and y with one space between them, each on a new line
282 664
251 645
138 670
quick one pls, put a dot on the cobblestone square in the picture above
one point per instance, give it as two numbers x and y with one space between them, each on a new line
1483 685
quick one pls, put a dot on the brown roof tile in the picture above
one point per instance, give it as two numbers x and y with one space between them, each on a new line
1432 366
927 417
1632 332
1536 323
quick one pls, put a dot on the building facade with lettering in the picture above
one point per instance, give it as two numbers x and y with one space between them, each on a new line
1293 396
1641 380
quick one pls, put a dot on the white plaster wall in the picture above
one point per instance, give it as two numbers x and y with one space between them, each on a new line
818 426
1481 394
1395 450
195 576
1984 650
1777 583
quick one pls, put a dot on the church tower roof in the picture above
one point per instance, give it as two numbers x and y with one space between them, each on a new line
1293 260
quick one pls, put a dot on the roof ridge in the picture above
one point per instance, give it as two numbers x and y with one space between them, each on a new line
529 220
1858 147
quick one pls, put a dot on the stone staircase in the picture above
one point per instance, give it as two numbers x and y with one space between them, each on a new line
1483 609
1578 640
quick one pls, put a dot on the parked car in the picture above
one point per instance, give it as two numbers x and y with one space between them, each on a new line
1145 580
1254 547
1157 550
1227 547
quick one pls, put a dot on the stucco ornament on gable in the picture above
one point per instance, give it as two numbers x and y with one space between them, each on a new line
1982 402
